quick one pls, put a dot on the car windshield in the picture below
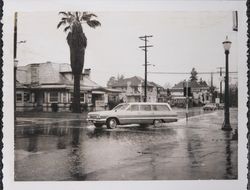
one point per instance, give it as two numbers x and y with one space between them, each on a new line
121 107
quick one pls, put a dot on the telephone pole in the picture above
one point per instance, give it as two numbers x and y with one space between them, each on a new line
220 83
145 49
212 86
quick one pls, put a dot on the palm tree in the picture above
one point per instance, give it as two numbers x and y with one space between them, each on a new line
77 42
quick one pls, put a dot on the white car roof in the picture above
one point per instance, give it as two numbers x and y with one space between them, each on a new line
146 103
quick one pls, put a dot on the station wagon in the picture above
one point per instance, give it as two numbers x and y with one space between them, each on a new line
134 113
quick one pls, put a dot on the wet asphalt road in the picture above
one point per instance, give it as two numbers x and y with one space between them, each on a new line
61 149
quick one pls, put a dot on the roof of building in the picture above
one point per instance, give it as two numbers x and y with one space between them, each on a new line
50 75
155 84
132 81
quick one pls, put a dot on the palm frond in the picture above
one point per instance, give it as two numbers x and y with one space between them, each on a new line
63 13
92 15
77 16
66 28
70 14
93 23
64 18
87 16
63 22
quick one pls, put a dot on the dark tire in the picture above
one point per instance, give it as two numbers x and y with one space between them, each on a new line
112 123
144 125
157 122
98 125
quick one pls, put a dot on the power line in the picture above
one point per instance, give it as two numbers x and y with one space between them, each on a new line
198 73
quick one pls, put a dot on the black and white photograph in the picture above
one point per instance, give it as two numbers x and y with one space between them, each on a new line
106 95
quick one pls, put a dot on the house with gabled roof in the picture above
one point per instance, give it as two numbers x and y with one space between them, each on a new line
133 89
49 87
199 90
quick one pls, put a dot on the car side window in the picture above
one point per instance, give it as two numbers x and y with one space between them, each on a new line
162 108
154 107
134 108
145 108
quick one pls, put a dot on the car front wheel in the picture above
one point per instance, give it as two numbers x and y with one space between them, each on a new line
157 122
112 123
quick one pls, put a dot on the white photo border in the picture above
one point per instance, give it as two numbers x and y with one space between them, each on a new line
12 6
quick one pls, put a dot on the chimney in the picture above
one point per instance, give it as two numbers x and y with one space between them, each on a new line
87 72
34 71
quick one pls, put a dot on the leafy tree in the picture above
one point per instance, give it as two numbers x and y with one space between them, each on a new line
77 42
111 81
120 77
193 76
168 92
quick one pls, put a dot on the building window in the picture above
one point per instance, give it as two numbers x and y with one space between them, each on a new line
26 97
64 97
71 97
150 89
19 97
53 97
82 97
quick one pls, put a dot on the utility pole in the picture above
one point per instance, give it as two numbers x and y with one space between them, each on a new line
212 84
212 88
220 83
145 49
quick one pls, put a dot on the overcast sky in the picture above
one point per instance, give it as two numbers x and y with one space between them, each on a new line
182 40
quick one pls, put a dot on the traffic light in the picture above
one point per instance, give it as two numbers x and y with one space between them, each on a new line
185 91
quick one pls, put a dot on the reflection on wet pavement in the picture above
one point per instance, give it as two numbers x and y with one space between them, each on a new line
75 150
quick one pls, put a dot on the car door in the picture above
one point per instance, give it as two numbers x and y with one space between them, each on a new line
146 115
131 115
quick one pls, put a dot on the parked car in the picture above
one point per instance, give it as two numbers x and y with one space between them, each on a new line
210 106
133 113
220 106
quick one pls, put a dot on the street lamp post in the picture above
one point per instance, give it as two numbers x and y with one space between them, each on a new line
187 100
226 125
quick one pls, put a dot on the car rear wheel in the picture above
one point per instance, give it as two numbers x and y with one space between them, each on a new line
112 123
144 125
157 122
97 125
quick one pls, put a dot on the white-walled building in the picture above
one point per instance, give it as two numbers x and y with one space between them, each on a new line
49 87
133 89
200 92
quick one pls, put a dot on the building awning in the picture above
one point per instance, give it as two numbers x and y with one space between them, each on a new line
136 95
97 92
55 86
179 97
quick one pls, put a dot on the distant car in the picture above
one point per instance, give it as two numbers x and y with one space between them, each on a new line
210 106
133 113
220 106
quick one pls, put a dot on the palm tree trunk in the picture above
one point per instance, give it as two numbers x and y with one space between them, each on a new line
77 42
76 106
